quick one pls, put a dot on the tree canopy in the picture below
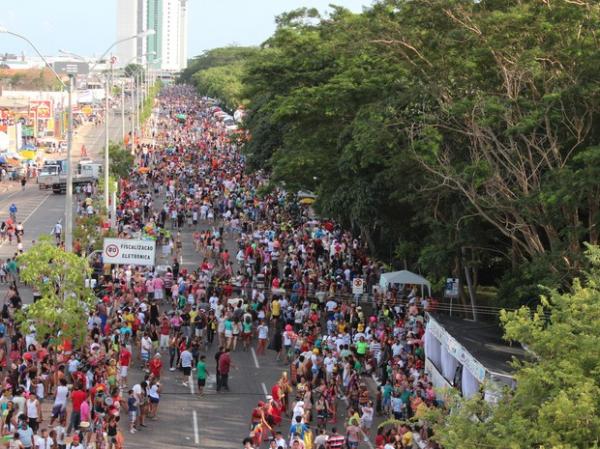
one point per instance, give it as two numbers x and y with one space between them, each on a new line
449 135
218 73
446 134
59 276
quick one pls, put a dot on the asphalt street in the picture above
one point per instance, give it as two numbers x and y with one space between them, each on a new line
215 420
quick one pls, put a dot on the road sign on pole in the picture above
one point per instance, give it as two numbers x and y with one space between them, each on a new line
451 289
358 286
129 252
72 67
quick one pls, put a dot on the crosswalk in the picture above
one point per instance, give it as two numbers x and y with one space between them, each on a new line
27 203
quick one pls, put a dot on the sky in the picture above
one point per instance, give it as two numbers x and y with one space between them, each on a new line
88 27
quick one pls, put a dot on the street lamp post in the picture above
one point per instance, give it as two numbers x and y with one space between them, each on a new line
107 114
106 144
123 110
69 193
132 116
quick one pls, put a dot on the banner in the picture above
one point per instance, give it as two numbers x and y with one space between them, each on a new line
43 108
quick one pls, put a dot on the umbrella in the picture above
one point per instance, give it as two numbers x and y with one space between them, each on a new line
307 201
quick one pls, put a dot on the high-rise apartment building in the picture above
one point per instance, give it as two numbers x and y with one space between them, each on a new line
167 48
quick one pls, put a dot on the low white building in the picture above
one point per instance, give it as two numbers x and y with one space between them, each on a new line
469 356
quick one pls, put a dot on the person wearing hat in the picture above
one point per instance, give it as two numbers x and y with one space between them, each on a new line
75 443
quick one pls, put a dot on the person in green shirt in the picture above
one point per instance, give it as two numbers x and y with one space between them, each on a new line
201 373
361 347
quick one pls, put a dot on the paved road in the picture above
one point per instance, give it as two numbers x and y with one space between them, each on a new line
39 210
215 420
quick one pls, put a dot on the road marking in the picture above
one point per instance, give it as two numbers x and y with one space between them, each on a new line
36 208
195 423
255 358
264 388
31 213
190 380
11 195
211 382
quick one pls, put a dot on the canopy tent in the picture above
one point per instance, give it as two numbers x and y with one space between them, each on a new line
402 278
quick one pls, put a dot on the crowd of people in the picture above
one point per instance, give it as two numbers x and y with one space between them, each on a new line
272 279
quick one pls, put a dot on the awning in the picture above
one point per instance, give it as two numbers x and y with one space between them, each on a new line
28 154
404 277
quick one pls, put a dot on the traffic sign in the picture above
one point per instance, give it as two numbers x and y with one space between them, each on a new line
72 67
451 288
358 286
129 252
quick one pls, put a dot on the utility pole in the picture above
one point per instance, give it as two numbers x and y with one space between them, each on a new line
69 196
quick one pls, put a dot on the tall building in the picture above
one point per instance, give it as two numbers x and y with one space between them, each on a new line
127 25
167 48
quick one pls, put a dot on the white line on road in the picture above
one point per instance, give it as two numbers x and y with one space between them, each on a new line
255 358
11 194
264 388
31 213
195 424
191 382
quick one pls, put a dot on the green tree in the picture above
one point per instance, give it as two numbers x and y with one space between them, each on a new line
132 70
222 82
218 73
556 403
216 57
59 276
446 134
121 160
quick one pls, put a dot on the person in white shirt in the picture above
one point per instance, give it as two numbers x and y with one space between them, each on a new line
263 334
330 306
146 347
43 441
329 363
186 359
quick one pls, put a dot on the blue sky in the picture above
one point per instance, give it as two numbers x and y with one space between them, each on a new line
88 27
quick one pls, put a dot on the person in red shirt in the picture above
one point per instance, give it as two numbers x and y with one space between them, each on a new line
224 367
155 366
165 329
77 398
124 361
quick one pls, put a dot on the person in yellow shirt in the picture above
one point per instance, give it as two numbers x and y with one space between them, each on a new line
407 436
129 318
275 309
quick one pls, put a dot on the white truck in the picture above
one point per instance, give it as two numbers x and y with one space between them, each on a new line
54 175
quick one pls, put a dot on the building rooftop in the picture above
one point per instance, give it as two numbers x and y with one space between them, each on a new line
484 342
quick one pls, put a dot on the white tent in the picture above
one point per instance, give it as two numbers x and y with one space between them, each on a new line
402 278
